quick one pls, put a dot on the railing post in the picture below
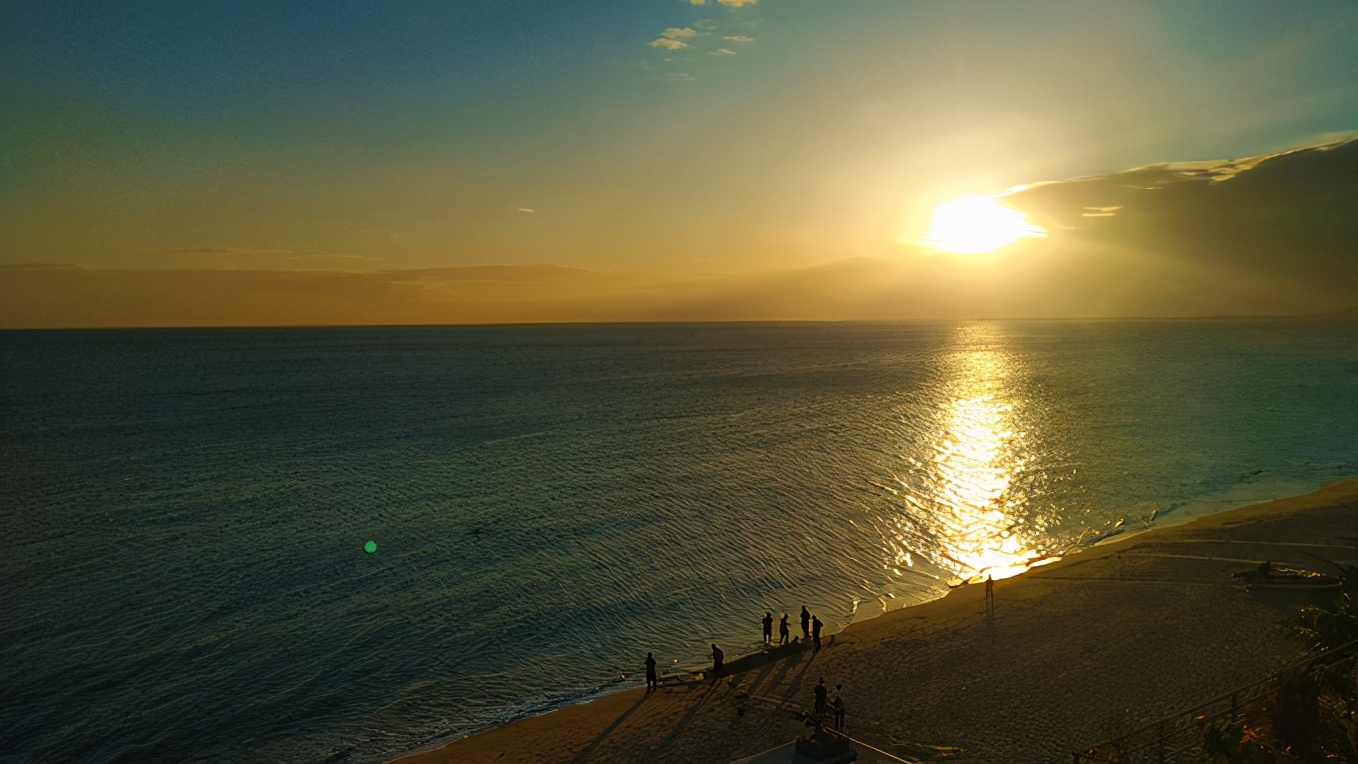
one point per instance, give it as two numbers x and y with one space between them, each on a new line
1075 757
1235 707
1160 746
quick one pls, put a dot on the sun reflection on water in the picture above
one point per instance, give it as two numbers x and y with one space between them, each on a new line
962 495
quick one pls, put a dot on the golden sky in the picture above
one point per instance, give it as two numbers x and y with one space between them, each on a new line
213 163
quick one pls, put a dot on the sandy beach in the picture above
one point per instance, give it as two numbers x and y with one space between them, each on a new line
1078 651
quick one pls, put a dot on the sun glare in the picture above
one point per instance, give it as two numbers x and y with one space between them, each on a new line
973 225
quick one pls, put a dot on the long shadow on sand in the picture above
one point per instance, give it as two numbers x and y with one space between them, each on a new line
795 686
585 752
683 722
784 668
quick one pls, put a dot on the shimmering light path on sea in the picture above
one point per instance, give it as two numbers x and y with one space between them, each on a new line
187 511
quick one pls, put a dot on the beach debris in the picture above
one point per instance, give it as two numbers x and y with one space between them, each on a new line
1227 740
1270 574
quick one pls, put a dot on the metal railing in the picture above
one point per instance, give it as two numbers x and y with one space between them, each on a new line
1179 737
878 752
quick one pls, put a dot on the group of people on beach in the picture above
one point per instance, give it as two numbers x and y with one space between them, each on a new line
811 626
827 701
653 681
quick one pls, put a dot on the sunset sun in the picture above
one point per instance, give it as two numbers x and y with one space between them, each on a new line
973 225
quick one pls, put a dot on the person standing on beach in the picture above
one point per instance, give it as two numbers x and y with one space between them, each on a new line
782 630
651 683
806 623
989 594
815 631
768 628
820 699
837 706
717 657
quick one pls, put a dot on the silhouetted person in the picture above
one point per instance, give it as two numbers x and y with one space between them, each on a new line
989 596
651 683
815 631
820 698
806 623
782 630
768 628
837 706
717 657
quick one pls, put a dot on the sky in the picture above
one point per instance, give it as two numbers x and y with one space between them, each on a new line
657 140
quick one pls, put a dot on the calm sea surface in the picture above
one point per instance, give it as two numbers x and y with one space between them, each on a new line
184 513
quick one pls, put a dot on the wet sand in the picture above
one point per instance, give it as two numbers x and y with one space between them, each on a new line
1078 651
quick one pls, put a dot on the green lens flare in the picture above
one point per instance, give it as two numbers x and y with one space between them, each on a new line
370 547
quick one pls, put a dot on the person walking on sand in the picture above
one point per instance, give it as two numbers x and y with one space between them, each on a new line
768 629
989 593
837 706
820 699
651 683
815 631
782 630
806 623
717 658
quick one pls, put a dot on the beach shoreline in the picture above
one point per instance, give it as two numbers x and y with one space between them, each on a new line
579 731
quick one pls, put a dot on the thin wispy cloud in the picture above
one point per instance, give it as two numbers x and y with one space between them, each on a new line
283 254
692 37
231 251
527 209
673 38
217 258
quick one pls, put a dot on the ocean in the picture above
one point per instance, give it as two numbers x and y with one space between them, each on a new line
184 512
